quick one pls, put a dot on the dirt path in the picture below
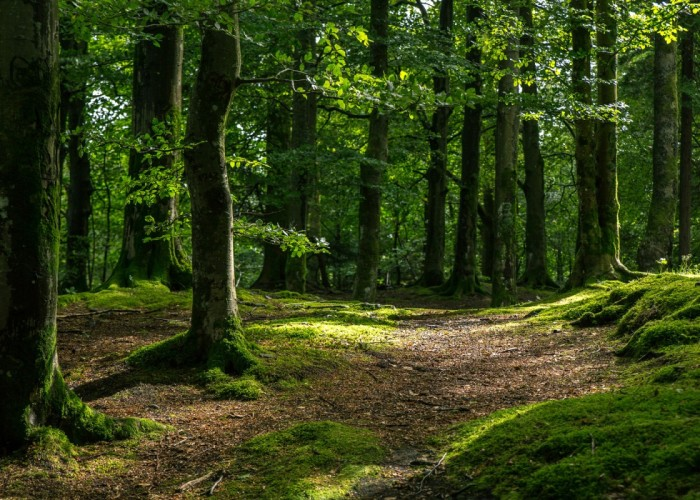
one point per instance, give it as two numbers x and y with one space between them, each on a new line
439 370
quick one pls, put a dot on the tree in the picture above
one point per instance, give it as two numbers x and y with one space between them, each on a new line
464 277
156 103
687 84
371 168
507 114
32 387
434 260
658 238
216 328
535 273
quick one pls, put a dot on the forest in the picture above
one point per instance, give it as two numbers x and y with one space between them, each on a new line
384 249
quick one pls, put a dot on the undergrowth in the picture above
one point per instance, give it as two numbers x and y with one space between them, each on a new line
315 460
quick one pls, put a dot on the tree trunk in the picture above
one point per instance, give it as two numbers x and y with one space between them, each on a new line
535 274
33 391
80 187
216 328
304 117
687 86
464 278
279 130
486 215
434 262
157 96
658 238
504 262
372 167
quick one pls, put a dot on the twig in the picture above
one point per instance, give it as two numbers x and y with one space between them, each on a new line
195 482
420 488
213 486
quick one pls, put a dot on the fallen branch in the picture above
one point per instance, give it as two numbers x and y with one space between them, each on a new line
195 482
213 486
420 488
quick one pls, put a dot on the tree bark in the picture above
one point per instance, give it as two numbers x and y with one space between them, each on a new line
658 238
157 97
687 85
535 274
507 114
434 261
279 128
32 387
304 117
80 188
372 167
464 277
216 328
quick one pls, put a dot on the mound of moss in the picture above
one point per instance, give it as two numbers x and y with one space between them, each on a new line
310 460
641 442
144 295
654 312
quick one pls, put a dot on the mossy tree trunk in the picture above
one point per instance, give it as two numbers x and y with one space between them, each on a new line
687 85
32 388
279 129
507 114
464 277
535 273
216 329
156 108
434 255
80 188
658 237
304 117
486 216
372 167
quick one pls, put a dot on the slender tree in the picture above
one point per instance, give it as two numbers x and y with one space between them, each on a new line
32 387
687 84
535 273
216 328
156 107
507 114
658 237
372 167
434 261
464 277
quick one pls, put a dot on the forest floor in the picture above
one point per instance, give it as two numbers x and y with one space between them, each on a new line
435 367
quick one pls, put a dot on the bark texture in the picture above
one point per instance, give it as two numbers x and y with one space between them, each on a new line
507 114
216 328
434 261
372 167
687 84
157 97
658 238
464 277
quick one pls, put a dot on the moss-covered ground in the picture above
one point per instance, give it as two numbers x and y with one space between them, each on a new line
590 394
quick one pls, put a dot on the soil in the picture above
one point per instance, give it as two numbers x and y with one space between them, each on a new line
444 368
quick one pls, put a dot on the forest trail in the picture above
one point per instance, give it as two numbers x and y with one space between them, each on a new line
434 370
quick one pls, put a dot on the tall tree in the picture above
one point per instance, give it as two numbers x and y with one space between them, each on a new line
535 273
687 84
74 106
464 277
434 261
658 237
304 118
507 121
216 328
156 108
372 167
32 387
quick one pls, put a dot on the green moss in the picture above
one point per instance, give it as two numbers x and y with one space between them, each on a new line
50 448
311 460
640 442
173 351
661 333
225 387
147 295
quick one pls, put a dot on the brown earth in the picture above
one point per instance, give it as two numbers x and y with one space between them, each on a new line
442 368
